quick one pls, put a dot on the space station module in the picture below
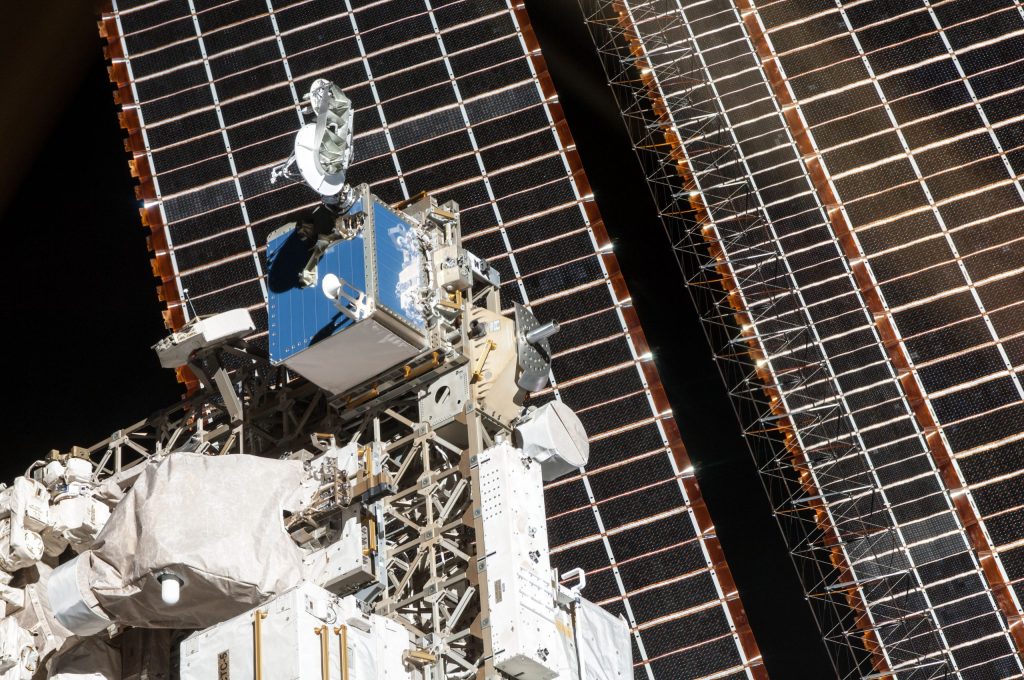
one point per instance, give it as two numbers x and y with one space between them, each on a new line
393 527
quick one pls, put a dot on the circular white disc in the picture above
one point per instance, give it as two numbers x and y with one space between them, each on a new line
306 158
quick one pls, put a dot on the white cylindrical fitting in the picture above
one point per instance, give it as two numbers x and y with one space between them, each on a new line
170 588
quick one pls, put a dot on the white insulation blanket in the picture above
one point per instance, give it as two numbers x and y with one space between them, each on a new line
215 522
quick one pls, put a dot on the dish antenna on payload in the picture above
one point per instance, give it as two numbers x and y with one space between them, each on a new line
323 147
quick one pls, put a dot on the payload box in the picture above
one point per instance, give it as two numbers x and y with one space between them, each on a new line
346 305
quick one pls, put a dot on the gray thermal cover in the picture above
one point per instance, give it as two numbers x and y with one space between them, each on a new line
215 522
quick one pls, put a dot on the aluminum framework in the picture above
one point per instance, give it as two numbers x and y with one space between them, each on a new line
432 579
862 479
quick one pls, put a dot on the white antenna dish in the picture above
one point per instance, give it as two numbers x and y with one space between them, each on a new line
331 286
323 148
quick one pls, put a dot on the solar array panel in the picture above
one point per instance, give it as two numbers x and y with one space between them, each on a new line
879 147
451 97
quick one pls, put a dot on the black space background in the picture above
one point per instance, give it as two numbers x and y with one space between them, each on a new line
80 309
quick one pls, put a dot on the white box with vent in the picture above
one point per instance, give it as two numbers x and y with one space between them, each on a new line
532 637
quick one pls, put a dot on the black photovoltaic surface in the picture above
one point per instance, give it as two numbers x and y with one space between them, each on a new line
447 100
926 156
914 109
